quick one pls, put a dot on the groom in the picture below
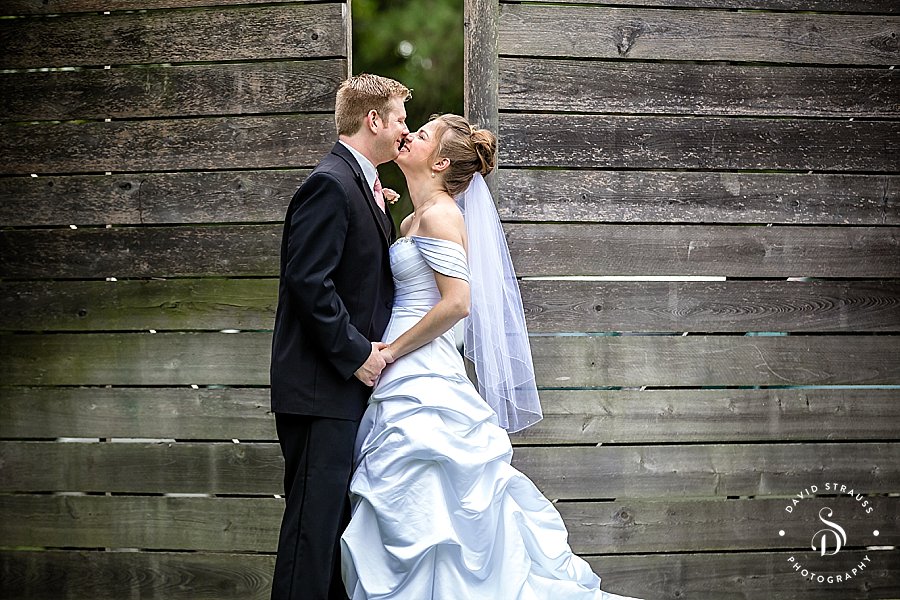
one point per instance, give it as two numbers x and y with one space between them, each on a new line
334 298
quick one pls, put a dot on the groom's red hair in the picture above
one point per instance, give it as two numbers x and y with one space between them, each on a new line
358 95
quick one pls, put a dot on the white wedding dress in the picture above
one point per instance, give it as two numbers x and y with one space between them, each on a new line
438 512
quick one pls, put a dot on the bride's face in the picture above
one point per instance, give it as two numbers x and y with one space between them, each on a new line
418 152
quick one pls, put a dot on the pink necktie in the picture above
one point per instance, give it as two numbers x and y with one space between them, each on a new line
379 195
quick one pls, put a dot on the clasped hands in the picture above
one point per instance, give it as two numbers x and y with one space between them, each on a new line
379 358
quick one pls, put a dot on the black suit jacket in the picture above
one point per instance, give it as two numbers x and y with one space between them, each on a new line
335 291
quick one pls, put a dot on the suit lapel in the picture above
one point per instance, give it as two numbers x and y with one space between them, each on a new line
382 218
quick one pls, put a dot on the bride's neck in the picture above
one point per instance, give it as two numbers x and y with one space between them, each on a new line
423 190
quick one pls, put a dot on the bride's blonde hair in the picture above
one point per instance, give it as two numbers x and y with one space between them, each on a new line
469 149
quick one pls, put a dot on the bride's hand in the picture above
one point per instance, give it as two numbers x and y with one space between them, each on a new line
386 354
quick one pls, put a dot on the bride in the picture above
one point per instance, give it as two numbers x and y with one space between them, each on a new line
438 512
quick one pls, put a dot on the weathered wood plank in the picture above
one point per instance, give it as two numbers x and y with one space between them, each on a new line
742 576
569 472
567 361
193 304
862 6
547 140
92 575
39 7
166 144
715 250
141 252
162 413
728 306
537 250
660 196
659 34
147 522
190 90
149 198
570 416
697 89
551 306
244 33
251 524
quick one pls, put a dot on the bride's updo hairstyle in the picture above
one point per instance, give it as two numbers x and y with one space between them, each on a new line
469 149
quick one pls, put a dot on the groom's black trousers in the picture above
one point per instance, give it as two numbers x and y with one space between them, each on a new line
318 463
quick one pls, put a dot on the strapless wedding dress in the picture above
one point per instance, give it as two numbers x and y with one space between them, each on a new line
438 512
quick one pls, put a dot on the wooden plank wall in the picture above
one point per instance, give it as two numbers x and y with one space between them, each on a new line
148 150
703 200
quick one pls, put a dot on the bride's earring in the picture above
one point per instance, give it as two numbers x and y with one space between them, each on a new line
432 174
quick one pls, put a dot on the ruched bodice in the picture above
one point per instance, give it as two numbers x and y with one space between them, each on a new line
413 262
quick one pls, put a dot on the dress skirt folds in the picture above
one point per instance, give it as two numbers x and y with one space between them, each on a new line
438 511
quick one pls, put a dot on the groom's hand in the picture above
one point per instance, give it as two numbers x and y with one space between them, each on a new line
370 370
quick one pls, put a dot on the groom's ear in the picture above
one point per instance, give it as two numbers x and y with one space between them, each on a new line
372 120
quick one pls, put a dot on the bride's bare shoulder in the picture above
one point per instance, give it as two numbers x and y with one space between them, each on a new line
444 221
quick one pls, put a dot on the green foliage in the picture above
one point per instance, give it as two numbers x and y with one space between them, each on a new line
420 44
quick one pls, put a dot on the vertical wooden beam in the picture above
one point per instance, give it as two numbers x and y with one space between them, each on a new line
348 33
481 79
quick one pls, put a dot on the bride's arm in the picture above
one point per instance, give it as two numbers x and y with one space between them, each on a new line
446 224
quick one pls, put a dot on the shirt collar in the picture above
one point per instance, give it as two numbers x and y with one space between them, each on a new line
369 170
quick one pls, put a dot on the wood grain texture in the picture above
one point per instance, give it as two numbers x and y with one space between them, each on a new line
245 524
690 197
167 359
98 575
157 91
741 576
38 7
697 89
174 304
657 142
550 306
244 33
568 472
166 144
92 575
862 6
659 34
714 250
682 416
162 413
142 252
537 250
570 416
149 198
729 306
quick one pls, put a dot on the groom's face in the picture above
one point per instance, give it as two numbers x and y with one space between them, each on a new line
392 129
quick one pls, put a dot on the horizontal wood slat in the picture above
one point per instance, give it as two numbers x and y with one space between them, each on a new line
696 89
244 524
653 142
148 198
569 361
862 6
570 416
244 33
161 413
652 416
537 250
166 145
659 34
715 250
550 306
573 472
37 7
191 90
138 252
91 575
661 196
729 306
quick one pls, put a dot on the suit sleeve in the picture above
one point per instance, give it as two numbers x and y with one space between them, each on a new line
318 231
